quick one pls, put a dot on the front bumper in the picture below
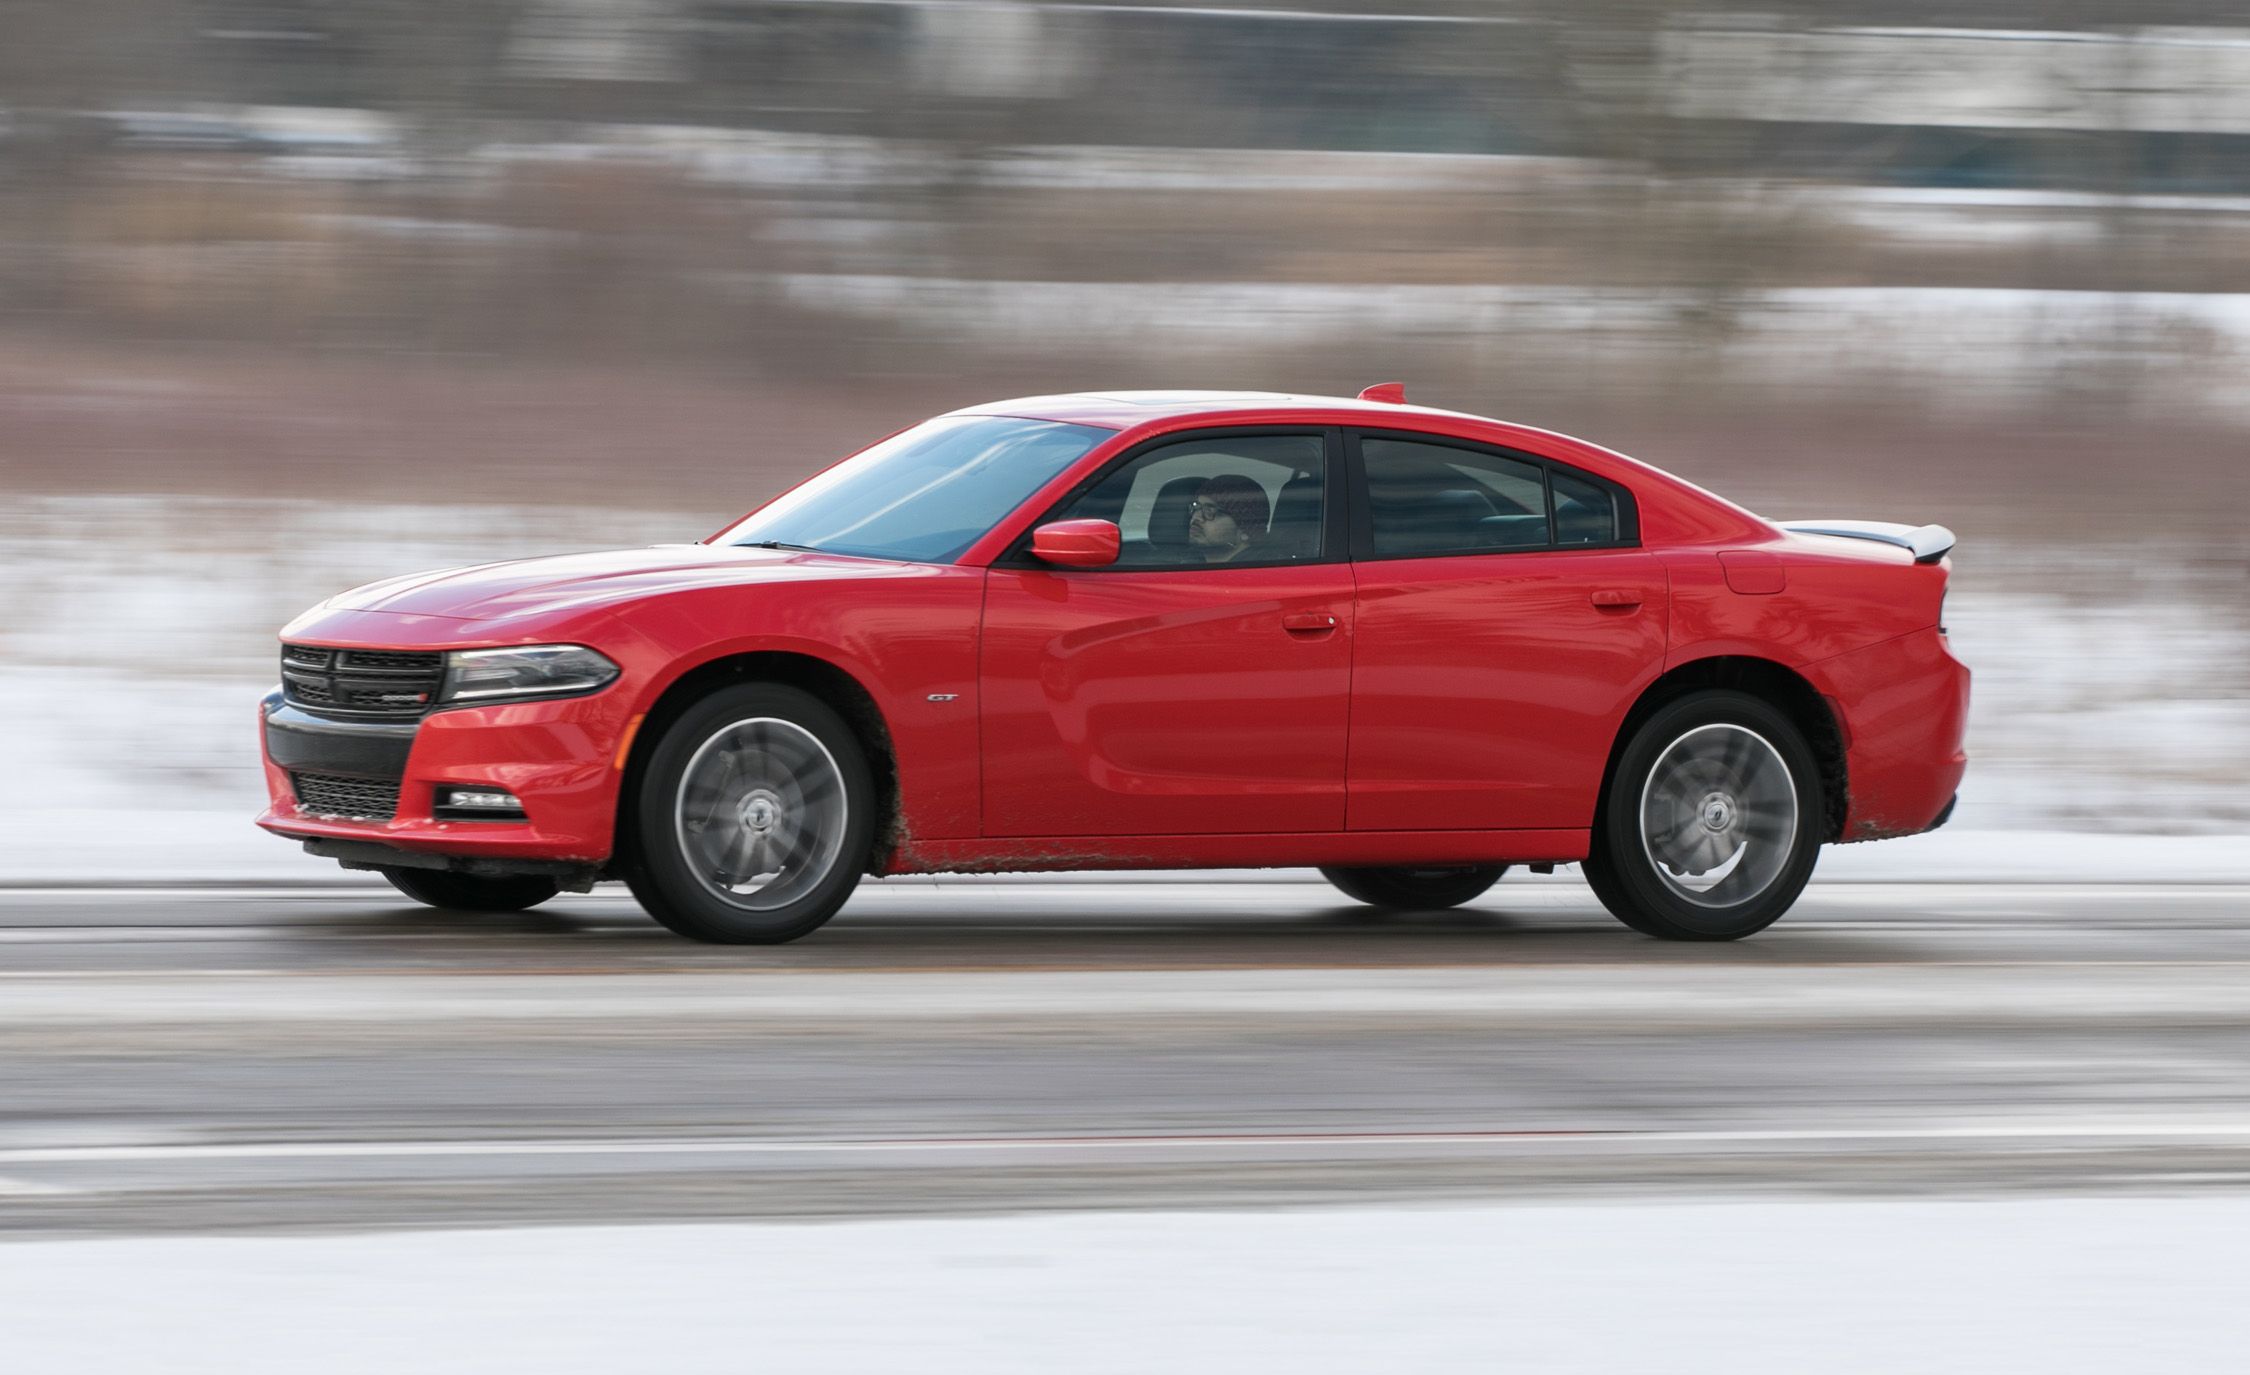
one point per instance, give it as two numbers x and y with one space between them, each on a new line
563 758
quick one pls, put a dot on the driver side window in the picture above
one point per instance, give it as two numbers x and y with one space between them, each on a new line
1240 500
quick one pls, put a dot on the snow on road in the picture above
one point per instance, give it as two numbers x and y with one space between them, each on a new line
2053 1286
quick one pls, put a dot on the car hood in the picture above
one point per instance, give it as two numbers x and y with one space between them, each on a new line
523 588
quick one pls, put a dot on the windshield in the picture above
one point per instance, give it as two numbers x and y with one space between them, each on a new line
924 495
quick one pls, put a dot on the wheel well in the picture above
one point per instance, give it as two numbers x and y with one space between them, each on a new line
822 679
1770 682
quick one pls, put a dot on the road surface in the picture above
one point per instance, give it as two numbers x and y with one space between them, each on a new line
216 1060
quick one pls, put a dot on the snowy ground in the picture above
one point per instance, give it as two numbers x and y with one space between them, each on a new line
1838 1287
2110 694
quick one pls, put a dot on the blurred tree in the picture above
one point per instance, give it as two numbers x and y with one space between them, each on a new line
79 55
62 61
435 63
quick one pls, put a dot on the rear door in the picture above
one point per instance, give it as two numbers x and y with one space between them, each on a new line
1506 620
1200 685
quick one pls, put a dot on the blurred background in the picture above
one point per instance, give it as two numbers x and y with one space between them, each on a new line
296 293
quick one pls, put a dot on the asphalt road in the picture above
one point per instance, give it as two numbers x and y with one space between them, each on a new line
339 1058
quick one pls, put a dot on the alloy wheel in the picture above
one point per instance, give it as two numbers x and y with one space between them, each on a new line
761 813
1718 815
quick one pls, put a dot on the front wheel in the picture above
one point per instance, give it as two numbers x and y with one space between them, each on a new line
1415 890
472 892
1711 825
754 817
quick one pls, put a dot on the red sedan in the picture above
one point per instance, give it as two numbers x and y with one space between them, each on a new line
1146 630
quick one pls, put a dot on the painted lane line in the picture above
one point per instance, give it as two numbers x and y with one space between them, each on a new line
165 935
1251 1141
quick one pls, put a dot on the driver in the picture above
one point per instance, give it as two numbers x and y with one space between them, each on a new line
1229 515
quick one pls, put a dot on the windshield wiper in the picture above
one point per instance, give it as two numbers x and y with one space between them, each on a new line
779 544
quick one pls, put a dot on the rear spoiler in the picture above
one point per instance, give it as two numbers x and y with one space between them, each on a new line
1928 543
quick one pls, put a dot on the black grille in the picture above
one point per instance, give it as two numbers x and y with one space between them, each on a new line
391 683
386 660
333 795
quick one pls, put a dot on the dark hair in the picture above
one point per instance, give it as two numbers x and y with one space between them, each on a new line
1241 498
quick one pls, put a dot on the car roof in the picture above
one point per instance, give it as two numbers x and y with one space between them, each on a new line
1672 509
1124 410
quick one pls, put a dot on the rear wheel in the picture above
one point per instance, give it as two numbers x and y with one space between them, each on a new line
1711 826
754 819
472 892
1415 890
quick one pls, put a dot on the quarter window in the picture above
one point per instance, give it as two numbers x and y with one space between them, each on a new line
1231 499
1584 513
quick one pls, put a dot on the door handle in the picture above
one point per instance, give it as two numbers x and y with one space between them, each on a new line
1617 596
1308 623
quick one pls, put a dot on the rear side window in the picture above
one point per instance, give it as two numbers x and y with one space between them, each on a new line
1434 499
1429 498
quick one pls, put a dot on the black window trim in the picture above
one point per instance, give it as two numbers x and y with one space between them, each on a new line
1363 512
1335 534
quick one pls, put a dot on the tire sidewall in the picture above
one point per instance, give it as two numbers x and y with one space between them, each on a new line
1632 875
452 892
660 875
1415 889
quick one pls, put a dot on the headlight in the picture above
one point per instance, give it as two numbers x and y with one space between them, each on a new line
475 675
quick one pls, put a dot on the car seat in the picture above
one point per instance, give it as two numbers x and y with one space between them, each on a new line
1449 518
1511 532
1582 522
1295 533
1168 516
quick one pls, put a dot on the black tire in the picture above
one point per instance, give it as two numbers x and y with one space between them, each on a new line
1415 890
1653 898
472 892
688 900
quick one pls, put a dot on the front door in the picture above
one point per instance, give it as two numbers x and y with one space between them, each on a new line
1198 686
1505 625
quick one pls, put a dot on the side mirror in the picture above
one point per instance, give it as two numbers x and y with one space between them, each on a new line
1076 543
